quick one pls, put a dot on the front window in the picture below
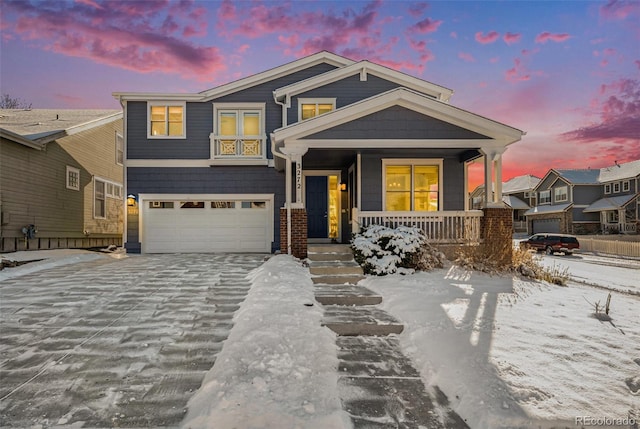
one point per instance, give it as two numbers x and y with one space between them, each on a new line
560 194
99 205
545 197
612 216
166 120
412 187
119 149
239 133
73 178
310 108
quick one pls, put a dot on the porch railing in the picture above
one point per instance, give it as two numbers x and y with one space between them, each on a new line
520 226
439 227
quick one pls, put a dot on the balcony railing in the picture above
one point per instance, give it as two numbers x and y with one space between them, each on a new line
439 227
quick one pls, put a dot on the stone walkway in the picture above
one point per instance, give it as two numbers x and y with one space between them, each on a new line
115 343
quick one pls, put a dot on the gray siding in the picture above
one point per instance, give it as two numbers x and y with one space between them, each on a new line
397 123
587 194
580 216
199 117
215 180
546 183
346 91
452 186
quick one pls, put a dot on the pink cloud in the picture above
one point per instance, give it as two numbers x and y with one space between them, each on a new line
417 9
546 36
490 37
137 36
619 121
90 3
517 72
619 10
425 26
421 48
511 38
637 63
466 57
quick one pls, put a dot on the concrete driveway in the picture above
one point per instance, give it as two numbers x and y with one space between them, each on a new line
115 343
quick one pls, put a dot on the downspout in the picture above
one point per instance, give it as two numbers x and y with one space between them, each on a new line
124 169
287 159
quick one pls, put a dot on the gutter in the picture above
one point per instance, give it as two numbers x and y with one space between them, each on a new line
287 159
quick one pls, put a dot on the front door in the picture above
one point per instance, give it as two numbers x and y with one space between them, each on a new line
316 202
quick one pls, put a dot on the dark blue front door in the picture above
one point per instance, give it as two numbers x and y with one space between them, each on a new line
316 199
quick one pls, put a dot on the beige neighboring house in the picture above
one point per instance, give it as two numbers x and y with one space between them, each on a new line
61 179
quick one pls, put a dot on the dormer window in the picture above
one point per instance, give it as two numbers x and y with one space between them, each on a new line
311 107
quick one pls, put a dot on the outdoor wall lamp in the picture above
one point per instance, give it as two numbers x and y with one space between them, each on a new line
343 186
131 200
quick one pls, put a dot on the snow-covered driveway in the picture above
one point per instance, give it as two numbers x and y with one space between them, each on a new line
106 342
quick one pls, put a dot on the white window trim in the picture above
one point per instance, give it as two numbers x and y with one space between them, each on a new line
239 107
315 101
607 188
182 104
626 186
540 197
121 137
72 170
555 194
95 182
616 187
412 161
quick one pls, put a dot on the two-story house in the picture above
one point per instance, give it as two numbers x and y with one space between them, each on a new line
563 195
309 150
61 178
619 209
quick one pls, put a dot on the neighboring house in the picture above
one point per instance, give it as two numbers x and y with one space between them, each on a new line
312 149
563 195
61 178
619 209
517 193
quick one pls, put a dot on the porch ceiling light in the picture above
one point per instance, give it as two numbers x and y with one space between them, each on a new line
131 200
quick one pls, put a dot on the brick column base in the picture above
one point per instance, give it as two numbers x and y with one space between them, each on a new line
496 228
298 232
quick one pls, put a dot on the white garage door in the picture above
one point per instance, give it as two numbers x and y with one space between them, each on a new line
186 225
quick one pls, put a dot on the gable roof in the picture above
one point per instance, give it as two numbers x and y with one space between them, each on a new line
515 202
628 170
610 203
556 208
500 134
520 183
364 68
241 84
585 176
41 126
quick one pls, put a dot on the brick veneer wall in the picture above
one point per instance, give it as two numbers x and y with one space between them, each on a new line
496 226
298 232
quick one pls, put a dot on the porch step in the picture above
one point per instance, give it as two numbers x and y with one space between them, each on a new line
361 320
327 257
329 248
337 279
336 268
345 295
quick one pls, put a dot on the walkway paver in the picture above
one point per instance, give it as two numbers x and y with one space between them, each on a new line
113 343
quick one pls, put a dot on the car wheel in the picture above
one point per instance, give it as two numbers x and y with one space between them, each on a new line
568 253
549 250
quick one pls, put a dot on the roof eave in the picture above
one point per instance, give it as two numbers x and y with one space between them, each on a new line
17 138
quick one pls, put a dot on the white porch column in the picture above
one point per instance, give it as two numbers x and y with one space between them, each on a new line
295 154
359 181
493 182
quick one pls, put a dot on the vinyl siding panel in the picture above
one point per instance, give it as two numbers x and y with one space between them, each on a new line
397 123
587 194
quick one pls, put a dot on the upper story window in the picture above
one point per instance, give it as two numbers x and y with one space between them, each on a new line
626 186
239 131
560 194
607 188
616 187
166 120
545 197
73 178
312 107
119 149
412 185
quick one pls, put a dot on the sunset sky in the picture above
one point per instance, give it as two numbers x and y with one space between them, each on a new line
566 72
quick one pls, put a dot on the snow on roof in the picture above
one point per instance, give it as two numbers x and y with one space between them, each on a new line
610 203
585 176
620 171
37 124
520 183
557 208
515 202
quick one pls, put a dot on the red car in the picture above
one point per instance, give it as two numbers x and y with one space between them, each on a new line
552 243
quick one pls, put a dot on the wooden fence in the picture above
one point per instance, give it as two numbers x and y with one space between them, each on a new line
620 248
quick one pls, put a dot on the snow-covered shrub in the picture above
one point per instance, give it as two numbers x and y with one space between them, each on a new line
381 250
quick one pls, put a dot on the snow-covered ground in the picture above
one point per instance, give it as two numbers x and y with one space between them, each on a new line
278 368
46 259
510 352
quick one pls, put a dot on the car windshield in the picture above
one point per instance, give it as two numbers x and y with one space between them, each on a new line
568 240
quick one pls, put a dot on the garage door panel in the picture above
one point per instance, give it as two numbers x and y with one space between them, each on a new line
546 225
214 228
